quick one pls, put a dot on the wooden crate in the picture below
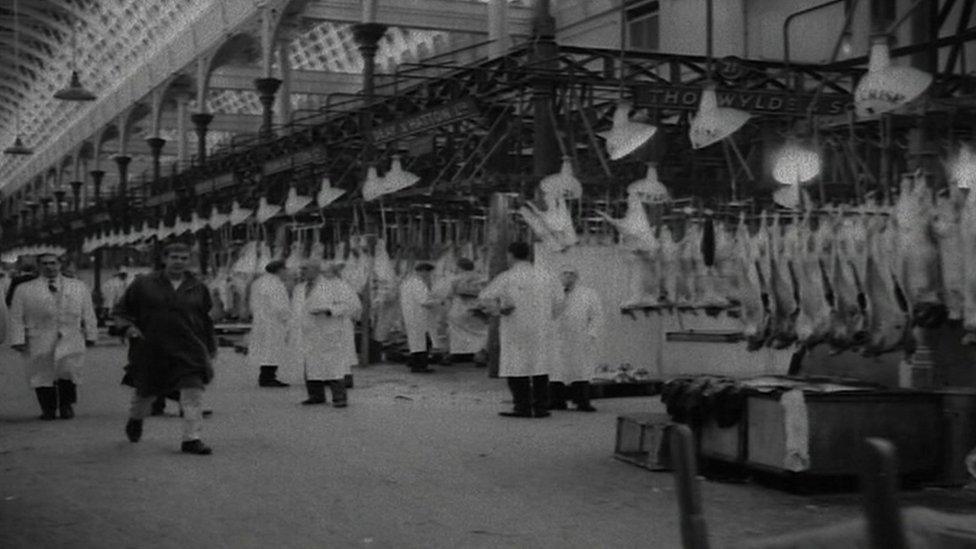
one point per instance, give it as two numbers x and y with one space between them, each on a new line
642 440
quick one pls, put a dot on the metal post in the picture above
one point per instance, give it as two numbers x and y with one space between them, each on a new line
267 87
545 149
200 122
156 148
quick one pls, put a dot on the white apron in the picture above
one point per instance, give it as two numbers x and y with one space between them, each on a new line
324 347
580 337
417 319
268 341
527 335
466 333
54 326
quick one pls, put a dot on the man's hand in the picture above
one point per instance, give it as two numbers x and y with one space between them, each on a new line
133 333
21 348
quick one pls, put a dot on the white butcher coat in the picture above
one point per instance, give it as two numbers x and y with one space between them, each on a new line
417 319
466 333
267 343
580 326
324 347
54 326
528 334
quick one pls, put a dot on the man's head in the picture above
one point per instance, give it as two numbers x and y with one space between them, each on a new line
424 270
176 259
276 267
569 276
310 269
465 264
50 265
518 251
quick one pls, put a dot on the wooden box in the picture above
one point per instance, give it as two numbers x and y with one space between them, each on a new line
642 440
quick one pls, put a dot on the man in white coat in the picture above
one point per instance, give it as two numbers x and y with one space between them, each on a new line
322 334
416 303
528 298
52 321
467 332
271 313
580 334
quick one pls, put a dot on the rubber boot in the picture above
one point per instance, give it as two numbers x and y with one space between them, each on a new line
67 395
581 396
47 397
557 395
540 396
340 397
521 388
268 377
158 406
316 392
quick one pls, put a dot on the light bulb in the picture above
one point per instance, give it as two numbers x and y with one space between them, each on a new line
846 48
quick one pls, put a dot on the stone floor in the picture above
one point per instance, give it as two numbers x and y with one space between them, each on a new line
415 461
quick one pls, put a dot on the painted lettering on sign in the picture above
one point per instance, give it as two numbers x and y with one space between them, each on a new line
428 120
762 102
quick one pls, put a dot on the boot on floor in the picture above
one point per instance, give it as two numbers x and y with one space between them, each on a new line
67 395
47 397
133 430
195 447
316 392
581 396
557 395
268 377
340 397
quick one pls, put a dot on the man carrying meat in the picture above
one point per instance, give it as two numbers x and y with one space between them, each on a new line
52 321
166 318
467 332
529 299
580 326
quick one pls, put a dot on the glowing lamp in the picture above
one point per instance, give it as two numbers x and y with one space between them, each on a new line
327 194
296 202
373 186
962 168
563 184
266 211
796 164
649 189
397 178
626 136
885 88
713 123
238 215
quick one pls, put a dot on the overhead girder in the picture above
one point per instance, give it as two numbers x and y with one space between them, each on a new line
26 30
302 82
443 15
47 20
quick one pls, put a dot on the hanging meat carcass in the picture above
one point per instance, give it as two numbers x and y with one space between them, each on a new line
710 294
554 226
814 316
848 326
670 268
645 277
754 317
634 228
888 323
967 229
783 306
946 226
920 262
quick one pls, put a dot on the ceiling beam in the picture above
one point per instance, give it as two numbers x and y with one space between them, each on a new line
442 15
222 122
304 82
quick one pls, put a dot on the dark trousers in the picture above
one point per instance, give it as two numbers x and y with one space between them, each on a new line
530 393
316 390
578 392
419 361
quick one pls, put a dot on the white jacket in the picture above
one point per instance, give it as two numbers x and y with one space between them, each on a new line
580 337
417 319
528 334
466 333
55 326
324 347
268 341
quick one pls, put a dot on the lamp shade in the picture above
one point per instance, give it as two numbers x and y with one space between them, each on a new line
238 215
18 148
796 164
296 202
328 194
650 189
373 187
885 88
961 168
266 211
713 123
397 178
562 184
788 196
75 91
626 136
196 223
217 219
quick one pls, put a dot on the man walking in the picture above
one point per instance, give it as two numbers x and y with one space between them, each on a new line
52 321
415 303
580 331
528 298
271 313
166 317
323 336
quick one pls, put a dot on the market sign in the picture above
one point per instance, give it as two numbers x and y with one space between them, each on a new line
283 163
758 102
427 120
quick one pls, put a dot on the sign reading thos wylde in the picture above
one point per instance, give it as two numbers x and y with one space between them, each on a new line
427 120
760 102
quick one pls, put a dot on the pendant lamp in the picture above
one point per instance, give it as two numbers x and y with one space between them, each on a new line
626 136
197 223
563 184
397 178
238 215
885 88
373 187
712 123
327 194
796 164
650 189
962 168
217 219
295 202
75 91
18 148
266 211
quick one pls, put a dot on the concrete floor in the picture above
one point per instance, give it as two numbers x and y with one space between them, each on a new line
415 461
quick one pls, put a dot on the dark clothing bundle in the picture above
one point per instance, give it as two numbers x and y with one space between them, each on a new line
178 340
17 281
694 400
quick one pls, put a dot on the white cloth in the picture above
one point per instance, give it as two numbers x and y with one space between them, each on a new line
324 347
580 327
55 326
466 333
112 291
4 314
267 344
527 335
417 318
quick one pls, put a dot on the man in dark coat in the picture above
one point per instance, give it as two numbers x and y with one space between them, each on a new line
172 345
